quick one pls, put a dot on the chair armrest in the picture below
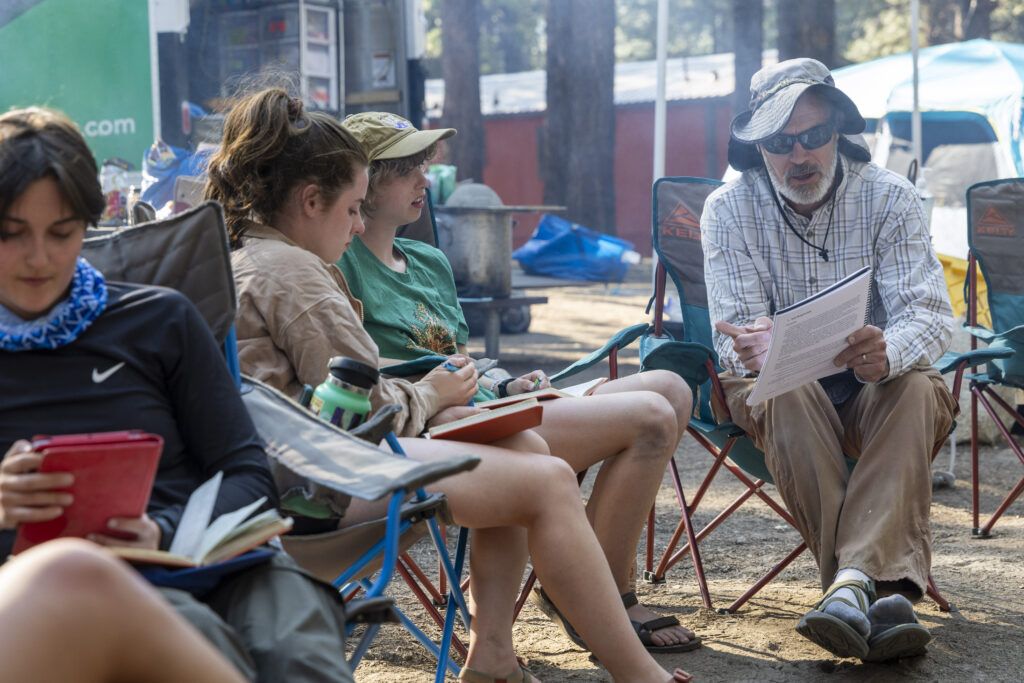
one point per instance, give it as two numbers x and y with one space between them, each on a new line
619 341
377 427
686 359
319 453
952 361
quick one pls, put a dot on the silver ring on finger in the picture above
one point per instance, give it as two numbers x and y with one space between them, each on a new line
863 358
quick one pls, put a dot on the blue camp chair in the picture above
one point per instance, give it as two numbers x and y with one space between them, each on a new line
678 203
317 467
995 233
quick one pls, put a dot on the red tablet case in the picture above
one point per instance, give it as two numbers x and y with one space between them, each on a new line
114 474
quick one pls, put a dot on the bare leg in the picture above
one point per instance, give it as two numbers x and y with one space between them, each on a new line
539 494
632 426
497 562
72 612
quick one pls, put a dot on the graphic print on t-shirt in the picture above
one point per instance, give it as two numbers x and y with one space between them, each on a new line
428 333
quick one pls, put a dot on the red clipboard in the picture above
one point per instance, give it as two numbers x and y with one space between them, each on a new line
114 473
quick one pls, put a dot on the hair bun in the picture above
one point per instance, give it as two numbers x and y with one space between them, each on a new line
295 109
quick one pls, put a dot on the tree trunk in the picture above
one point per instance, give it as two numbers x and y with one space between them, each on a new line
460 67
942 20
807 28
977 18
748 39
577 144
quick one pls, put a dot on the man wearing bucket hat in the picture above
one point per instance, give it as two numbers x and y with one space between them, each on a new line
809 209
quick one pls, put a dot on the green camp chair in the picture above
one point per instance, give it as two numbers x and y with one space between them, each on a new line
995 233
678 203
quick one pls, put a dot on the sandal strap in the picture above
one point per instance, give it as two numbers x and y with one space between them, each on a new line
656 624
864 590
629 599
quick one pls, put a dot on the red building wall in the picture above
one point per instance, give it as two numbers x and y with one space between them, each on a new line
696 143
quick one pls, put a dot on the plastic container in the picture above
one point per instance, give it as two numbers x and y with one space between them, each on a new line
343 399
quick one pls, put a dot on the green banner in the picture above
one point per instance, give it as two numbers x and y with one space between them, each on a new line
88 58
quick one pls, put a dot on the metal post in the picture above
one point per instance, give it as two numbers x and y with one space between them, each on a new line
661 52
915 117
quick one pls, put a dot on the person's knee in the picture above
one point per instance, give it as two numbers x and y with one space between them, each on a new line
80 568
527 441
553 483
910 389
656 424
673 388
803 405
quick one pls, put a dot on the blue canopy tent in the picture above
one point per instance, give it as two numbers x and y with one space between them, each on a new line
970 97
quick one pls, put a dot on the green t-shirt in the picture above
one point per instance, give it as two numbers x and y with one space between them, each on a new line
412 313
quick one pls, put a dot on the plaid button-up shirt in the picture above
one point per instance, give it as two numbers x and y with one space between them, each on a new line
754 265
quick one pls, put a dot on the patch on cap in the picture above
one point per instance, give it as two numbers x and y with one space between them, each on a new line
396 122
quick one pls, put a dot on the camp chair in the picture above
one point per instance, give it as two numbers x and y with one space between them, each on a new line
678 203
995 233
317 468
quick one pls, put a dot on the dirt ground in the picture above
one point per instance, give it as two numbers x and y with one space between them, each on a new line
982 639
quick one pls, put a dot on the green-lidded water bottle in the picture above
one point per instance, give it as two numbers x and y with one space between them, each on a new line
344 397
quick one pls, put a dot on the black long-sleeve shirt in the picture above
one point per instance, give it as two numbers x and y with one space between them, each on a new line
148 362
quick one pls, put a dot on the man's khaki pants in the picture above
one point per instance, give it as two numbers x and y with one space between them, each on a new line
874 519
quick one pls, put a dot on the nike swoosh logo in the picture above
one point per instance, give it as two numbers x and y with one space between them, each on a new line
100 377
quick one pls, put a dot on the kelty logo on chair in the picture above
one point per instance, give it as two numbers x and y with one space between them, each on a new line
681 223
993 223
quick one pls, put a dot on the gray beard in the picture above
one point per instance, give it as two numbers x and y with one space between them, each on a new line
806 194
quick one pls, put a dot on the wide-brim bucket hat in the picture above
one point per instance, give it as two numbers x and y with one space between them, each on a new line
774 91
384 135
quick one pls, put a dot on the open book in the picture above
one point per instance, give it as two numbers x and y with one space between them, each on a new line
488 426
807 336
198 543
575 391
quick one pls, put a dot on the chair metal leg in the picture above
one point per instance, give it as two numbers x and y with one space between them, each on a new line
424 600
455 601
667 561
698 564
974 458
435 595
934 594
524 594
984 393
764 580
649 559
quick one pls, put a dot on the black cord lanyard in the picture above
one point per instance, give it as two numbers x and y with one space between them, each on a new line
822 251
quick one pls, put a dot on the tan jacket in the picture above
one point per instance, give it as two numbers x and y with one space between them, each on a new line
295 312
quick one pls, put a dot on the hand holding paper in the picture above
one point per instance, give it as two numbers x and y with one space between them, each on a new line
865 354
808 340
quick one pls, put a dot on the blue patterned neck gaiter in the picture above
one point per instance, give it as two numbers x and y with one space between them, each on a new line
66 322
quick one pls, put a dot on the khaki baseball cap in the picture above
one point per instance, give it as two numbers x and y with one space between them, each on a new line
384 135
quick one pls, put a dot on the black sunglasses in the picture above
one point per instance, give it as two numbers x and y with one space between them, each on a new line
812 138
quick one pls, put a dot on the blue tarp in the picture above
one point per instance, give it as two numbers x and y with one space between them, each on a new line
559 248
